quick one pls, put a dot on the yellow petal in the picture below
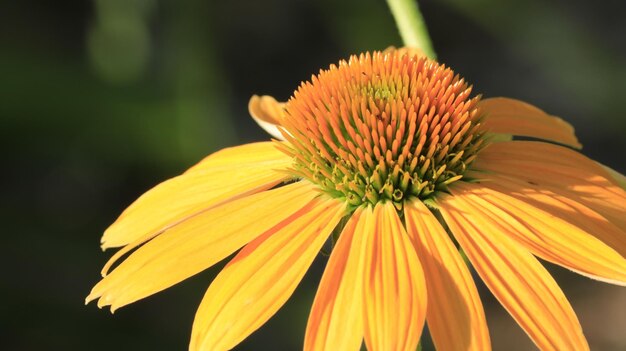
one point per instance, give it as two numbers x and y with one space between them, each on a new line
516 278
546 165
259 152
268 113
556 204
509 116
455 314
395 290
198 243
336 319
260 279
219 178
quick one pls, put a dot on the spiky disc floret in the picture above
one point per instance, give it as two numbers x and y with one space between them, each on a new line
383 127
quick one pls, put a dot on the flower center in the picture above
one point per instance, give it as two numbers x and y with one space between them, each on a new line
383 127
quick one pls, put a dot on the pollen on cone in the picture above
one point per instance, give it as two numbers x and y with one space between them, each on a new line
385 126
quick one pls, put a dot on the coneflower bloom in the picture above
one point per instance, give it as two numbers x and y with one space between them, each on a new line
391 157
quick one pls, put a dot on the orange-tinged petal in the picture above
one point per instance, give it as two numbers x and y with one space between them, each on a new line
260 279
510 116
268 113
552 204
336 319
538 151
394 287
515 277
619 178
219 178
455 314
546 165
198 243
545 235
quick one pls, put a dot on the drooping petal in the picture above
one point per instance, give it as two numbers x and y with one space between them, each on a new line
547 165
221 177
556 203
515 277
455 314
394 290
510 116
549 237
260 279
267 113
198 243
336 319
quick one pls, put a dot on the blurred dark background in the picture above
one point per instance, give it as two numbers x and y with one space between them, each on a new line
102 100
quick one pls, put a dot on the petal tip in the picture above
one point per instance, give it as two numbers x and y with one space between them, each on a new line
92 296
267 113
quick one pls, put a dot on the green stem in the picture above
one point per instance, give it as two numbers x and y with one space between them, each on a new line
411 25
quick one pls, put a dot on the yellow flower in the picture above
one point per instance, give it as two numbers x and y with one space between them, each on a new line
392 154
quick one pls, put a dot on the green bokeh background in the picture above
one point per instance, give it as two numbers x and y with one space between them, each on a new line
99 101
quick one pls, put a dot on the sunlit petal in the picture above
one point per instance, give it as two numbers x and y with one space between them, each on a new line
552 166
336 319
198 243
263 275
455 315
510 116
259 152
516 278
394 290
555 204
211 182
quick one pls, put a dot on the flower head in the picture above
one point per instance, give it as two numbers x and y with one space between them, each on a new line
383 128
397 146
